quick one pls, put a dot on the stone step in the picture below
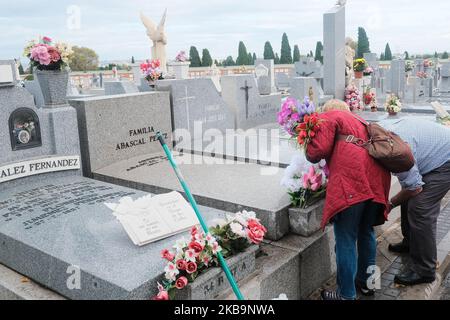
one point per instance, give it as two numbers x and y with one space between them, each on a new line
294 265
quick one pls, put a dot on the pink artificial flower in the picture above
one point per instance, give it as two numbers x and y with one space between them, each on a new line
197 247
40 54
166 254
54 54
181 283
181 264
206 261
46 40
190 255
194 231
191 267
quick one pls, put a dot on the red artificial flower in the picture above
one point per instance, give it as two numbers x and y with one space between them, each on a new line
166 254
181 264
197 247
191 267
181 283
162 295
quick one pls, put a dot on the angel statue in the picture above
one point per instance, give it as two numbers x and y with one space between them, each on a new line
159 38
341 3
349 57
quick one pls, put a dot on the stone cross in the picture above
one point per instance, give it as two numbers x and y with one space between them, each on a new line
246 88
186 99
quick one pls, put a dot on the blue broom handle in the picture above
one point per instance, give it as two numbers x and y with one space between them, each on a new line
191 199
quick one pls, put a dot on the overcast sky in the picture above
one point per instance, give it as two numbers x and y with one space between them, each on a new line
113 28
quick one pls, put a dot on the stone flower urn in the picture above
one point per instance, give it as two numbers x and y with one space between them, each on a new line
53 85
179 69
305 222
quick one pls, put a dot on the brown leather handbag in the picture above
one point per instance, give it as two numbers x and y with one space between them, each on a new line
386 147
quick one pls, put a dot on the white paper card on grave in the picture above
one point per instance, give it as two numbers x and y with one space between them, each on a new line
6 74
440 111
149 219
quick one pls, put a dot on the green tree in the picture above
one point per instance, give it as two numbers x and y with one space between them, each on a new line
445 55
229 62
206 58
436 55
254 58
21 71
363 43
132 60
194 57
277 59
311 54
242 59
286 51
407 55
250 59
268 51
319 48
296 57
83 59
388 53
382 57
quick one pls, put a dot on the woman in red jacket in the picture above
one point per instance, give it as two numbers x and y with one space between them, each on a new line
356 201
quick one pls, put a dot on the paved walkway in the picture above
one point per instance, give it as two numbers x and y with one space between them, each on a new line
391 264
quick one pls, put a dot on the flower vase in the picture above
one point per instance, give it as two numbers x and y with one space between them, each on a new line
392 113
359 74
305 222
53 85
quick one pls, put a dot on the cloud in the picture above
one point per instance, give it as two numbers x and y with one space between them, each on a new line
113 28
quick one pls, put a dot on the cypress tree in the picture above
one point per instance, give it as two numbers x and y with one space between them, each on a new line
296 57
382 57
206 58
242 58
286 52
194 57
406 55
250 59
229 62
132 60
254 58
268 51
319 48
445 55
277 59
363 43
388 53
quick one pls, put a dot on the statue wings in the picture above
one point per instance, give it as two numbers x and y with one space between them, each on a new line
154 31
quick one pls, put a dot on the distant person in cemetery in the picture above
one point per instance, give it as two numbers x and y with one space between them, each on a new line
356 200
423 188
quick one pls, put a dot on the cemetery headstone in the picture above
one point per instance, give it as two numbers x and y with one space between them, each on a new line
251 109
397 77
8 73
371 59
269 64
308 67
302 87
334 52
197 101
119 87
445 78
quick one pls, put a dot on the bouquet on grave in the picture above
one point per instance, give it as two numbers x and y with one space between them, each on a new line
422 75
393 104
352 98
409 66
181 57
299 120
368 71
370 99
46 55
305 182
189 259
427 63
151 70
359 65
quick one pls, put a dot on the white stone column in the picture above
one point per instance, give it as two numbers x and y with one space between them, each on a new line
334 52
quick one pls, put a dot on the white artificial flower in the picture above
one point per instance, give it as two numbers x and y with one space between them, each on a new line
237 229
190 255
171 271
180 244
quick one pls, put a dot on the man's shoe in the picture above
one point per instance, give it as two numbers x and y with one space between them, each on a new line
329 295
364 290
410 278
400 247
